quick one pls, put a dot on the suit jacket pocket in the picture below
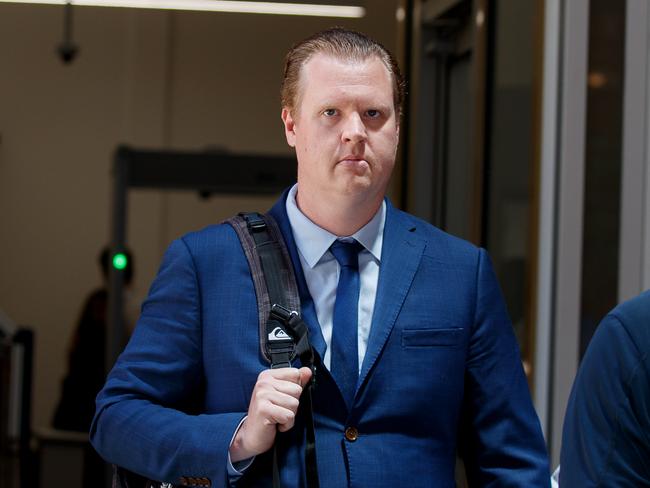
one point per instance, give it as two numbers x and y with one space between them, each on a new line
432 337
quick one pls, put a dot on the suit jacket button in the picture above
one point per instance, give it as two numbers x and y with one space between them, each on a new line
351 434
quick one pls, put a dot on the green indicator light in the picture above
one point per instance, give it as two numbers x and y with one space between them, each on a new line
120 261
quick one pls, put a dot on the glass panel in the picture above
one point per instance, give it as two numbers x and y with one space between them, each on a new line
510 155
603 164
460 173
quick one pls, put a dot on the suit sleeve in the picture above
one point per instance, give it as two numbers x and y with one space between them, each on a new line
606 440
145 419
501 441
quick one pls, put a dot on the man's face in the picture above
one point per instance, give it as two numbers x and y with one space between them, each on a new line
345 129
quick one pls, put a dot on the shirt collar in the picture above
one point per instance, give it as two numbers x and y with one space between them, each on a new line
313 241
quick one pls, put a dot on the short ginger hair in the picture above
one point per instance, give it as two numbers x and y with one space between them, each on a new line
342 44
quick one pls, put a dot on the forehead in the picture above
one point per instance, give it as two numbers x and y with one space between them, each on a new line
325 76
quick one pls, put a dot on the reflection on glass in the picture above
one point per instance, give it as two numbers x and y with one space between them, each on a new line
510 156
602 164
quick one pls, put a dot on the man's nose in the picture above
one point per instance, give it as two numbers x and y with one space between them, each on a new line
354 130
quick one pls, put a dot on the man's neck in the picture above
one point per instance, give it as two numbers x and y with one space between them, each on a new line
340 216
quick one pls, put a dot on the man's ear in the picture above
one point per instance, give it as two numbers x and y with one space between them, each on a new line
289 127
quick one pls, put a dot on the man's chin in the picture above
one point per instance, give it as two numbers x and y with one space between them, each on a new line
357 187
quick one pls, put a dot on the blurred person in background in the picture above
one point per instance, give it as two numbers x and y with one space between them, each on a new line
606 435
87 355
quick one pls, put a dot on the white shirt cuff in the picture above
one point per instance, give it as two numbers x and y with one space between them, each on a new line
236 470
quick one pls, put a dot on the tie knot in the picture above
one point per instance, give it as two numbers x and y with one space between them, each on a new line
346 253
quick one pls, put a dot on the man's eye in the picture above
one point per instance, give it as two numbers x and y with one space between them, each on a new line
373 114
329 112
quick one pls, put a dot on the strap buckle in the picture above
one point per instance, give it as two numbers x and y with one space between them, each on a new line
283 314
281 340
254 221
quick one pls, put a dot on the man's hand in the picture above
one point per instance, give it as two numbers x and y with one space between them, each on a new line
273 407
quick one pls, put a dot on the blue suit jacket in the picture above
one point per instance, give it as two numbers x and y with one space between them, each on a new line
442 372
606 438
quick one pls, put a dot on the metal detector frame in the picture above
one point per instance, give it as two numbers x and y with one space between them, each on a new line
205 172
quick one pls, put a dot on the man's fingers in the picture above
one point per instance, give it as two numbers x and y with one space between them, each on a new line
287 380
283 417
305 376
286 374
273 407
276 398
288 388
285 427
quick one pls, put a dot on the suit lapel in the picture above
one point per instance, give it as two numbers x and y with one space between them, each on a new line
308 310
400 259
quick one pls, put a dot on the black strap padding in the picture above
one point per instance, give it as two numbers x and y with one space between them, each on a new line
279 306
271 270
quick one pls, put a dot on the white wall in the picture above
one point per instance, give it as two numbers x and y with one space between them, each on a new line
151 79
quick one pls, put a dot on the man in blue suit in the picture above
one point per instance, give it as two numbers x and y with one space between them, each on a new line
416 359
606 437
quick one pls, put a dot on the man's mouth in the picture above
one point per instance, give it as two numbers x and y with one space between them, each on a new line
352 158
356 163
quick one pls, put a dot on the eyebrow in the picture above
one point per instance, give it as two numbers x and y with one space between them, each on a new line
375 106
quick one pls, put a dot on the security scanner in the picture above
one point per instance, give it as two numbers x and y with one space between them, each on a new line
16 365
207 172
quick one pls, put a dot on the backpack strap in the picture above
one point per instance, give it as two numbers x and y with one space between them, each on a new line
275 284
283 333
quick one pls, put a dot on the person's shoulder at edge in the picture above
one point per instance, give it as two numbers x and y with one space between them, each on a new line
625 328
622 342
634 316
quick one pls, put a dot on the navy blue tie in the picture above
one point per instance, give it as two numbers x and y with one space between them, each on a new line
345 353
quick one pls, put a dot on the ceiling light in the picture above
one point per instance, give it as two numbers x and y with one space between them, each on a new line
316 10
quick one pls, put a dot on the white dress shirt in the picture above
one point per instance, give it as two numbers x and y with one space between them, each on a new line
322 270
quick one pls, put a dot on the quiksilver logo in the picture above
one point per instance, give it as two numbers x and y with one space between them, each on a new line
278 334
